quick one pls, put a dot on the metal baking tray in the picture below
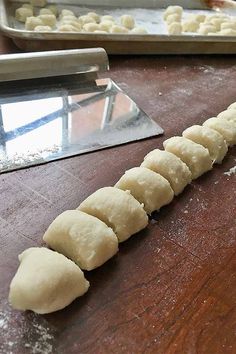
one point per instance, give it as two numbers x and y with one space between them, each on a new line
147 13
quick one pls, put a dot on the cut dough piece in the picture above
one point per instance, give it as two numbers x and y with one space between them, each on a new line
39 3
86 19
127 21
224 127
100 31
45 12
23 13
65 12
206 28
118 209
217 23
173 18
118 29
53 9
170 167
45 281
32 22
175 28
229 114
172 10
210 139
190 26
196 157
227 32
68 28
75 24
94 15
86 240
197 17
148 187
228 25
232 106
107 18
106 25
48 20
91 27
43 29
138 30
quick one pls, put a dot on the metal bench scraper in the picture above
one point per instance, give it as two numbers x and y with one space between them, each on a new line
52 106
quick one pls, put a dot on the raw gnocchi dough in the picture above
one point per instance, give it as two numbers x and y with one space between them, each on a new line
190 26
224 127
118 29
173 18
118 209
148 187
86 240
22 13
43 29
232 106
94 15
32 22
48 20
206 29
170 167
106 25
138 30
210 139
45 11
86 19
197 17
91 27
229 114
175 28
45 281
127 21
196 157
107 18
39 3
67 28
227 32
228 25
65 12
172 10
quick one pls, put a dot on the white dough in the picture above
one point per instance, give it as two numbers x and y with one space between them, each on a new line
172 10
118 209
43 29
205 29
67 28
229 114
22 13
53 9
197 17
106 25
127 21
67 18
66 12
196 157
100 32
190 26
86 240
74 23
210 139
45 12
48 20
107 18
94 15
170 167
228 25
175 28
227 32
86 19
232 106
224 127
138 30
173 18
118 29
45 281
217 23
39 3
148 187
32 22
91 27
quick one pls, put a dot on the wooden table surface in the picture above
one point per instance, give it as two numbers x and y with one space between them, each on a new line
172 287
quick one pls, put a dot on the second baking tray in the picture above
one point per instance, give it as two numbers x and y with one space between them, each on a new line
147 13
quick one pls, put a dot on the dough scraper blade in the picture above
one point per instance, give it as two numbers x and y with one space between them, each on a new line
52 106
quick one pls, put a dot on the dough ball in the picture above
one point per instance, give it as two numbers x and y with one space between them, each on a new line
197 17
205 29
232 106
196 157
48 20
32 22
217 23
227 32
127 21
69 18
74 23
173 18
23 13
66 12
67 28
219 16
210 139
172 10
138 30
91 27
190 26
45 281
175 28
170 167
94 15
107 18
106 26
229 114
148 187
86 240
228 25
86 19
43 29
53 9
224 127
39 3
45 12
118 209
100 32
118 29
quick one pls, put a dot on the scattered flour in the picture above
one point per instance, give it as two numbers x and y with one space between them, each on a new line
231 171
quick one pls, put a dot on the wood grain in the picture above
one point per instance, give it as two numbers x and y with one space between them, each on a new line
172 288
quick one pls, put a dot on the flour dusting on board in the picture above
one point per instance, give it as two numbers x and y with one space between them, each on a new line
231 171
26 332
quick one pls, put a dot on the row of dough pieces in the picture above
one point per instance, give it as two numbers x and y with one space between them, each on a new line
47 281
47 21
216 24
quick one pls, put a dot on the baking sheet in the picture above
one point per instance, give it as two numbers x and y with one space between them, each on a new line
146 13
